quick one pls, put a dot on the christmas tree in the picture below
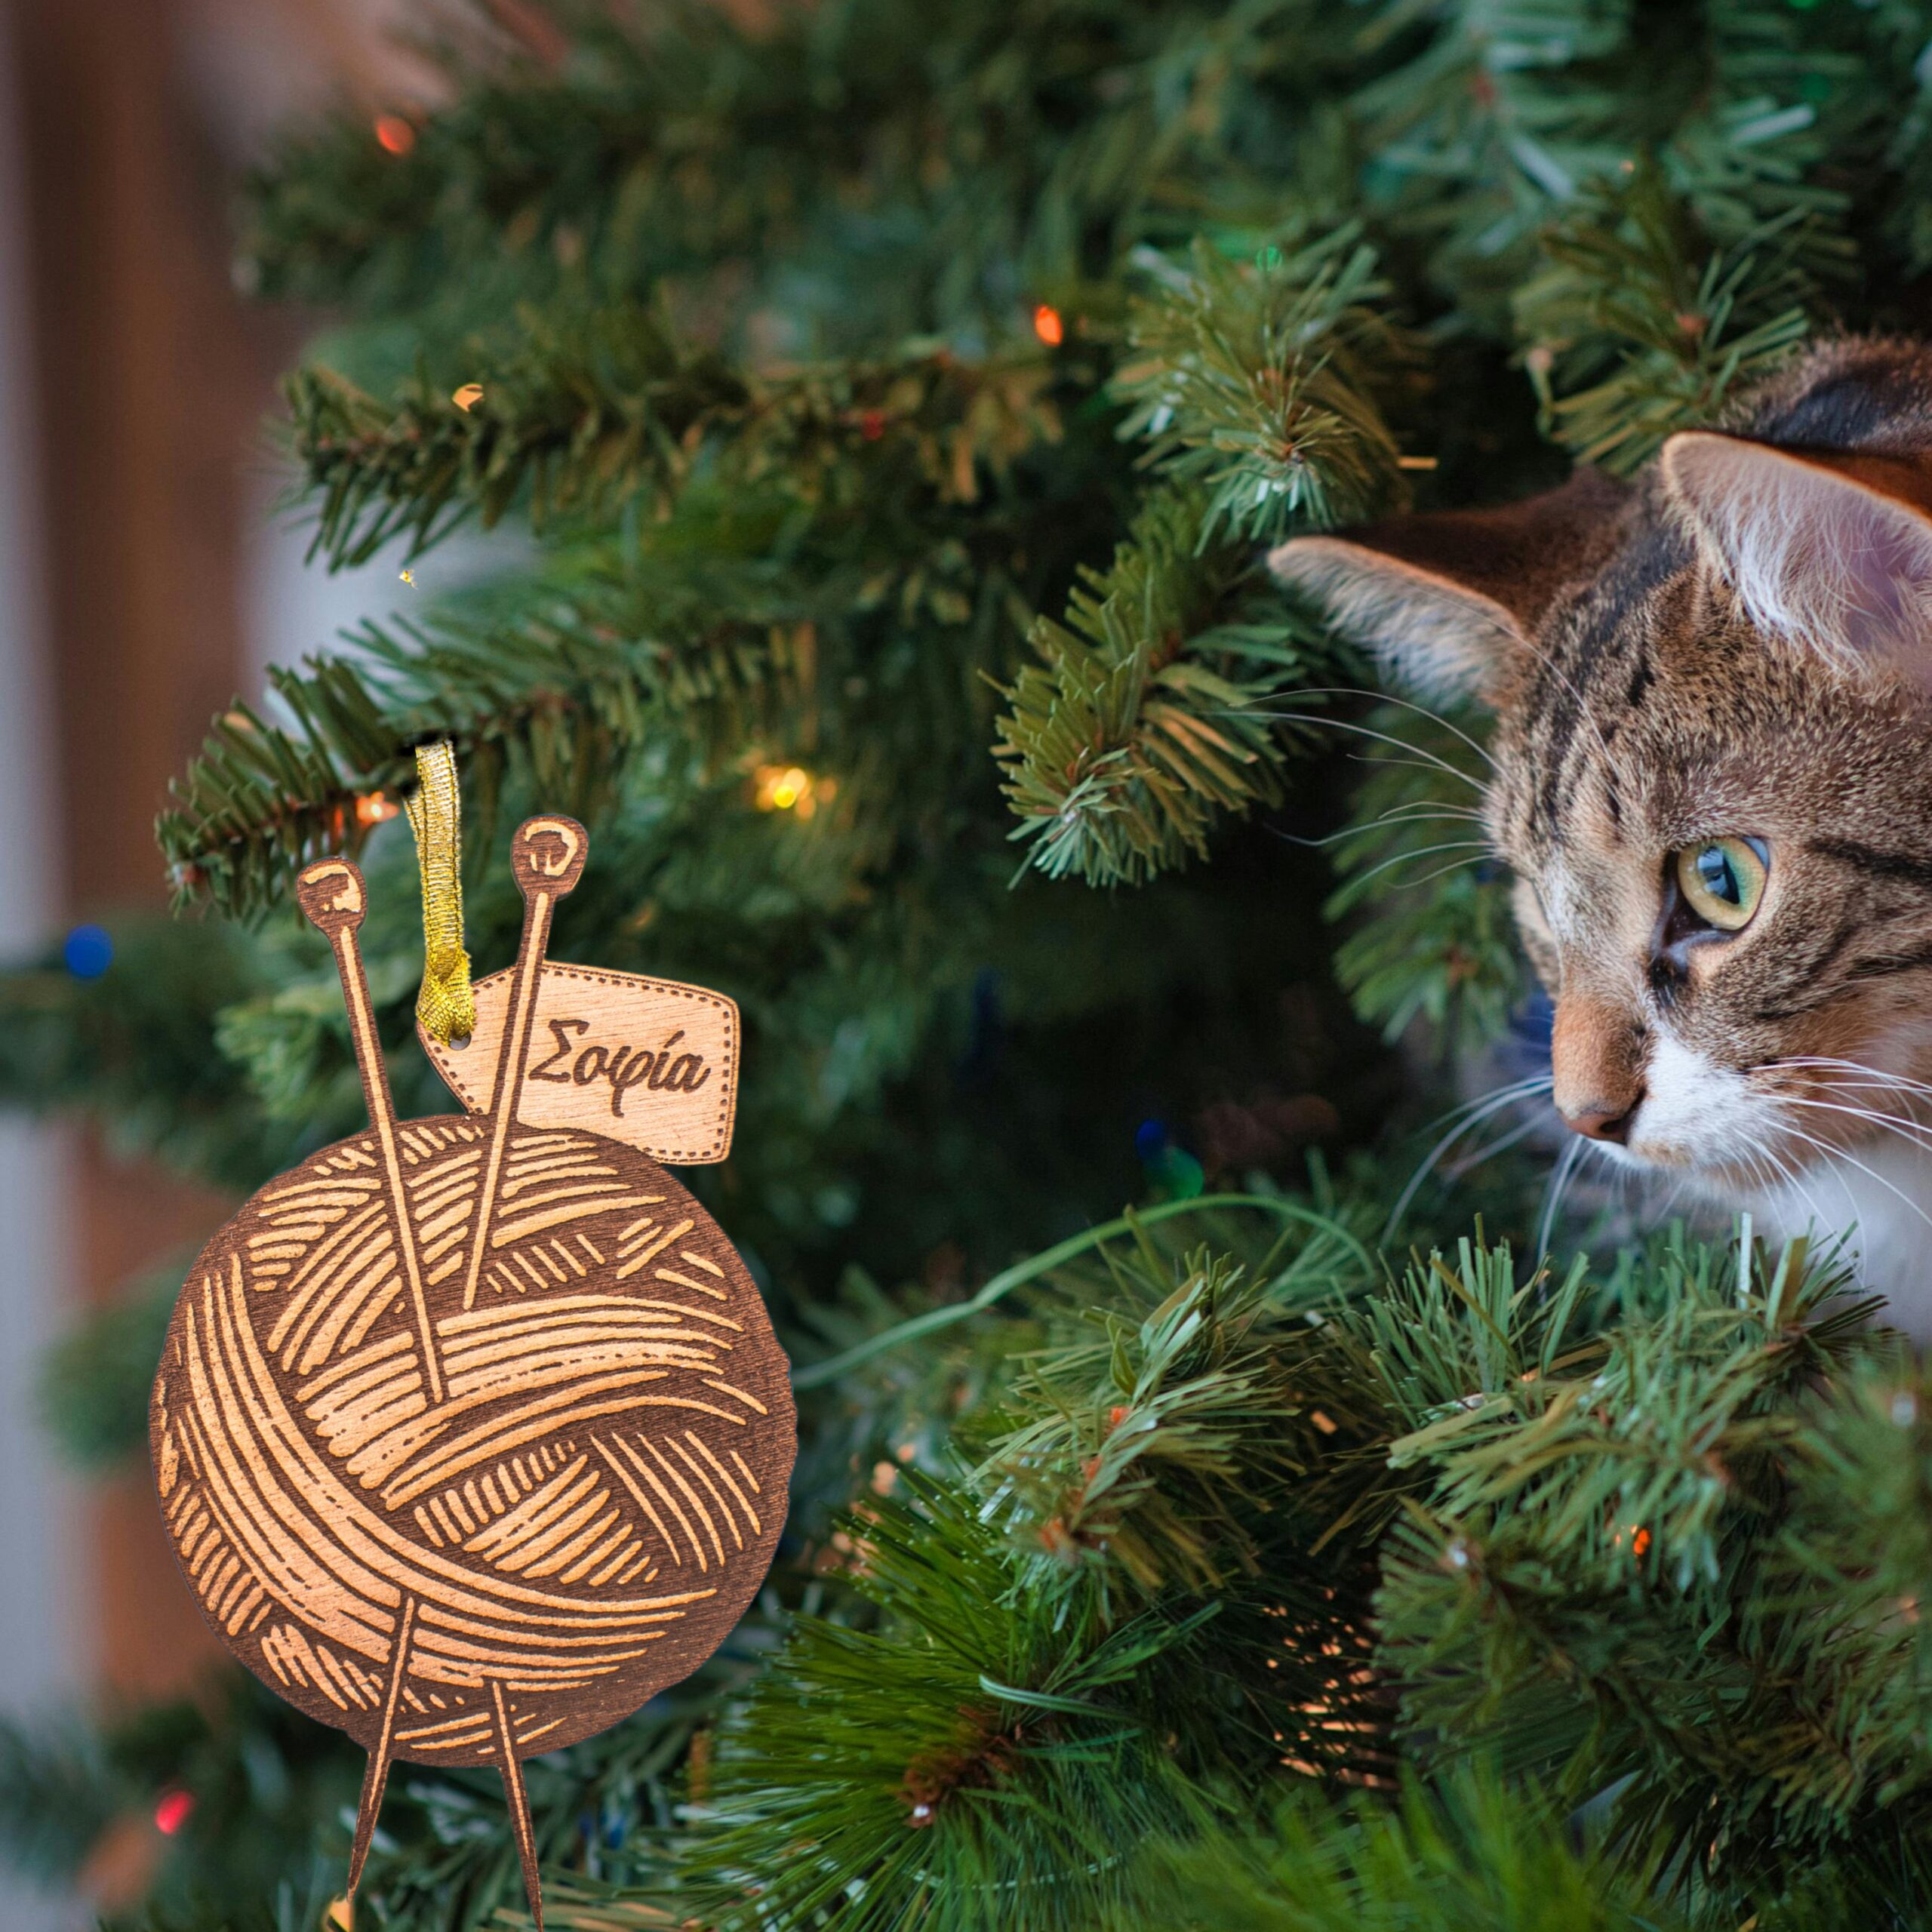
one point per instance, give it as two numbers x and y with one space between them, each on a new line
901 400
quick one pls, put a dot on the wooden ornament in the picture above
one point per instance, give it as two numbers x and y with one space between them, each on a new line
648 1062
471 1433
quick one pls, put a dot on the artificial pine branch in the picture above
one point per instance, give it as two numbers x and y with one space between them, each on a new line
596 406
1474 1852
866 482
1603 1564
1259 384
1429 935
588 410
1006 154
966 1765
1637 326
558 696
96 1385
1145 1439
135 1049
1143 725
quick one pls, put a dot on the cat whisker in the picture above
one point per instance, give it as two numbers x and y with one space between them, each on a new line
1425 852
1467 1117
1396 815
1876 1076
1819 1217
1671 1199
1897 1124
1559 1183
1417 809
1363 730
1470 1162
1441 871
1780 1172
1839 1154
1481 751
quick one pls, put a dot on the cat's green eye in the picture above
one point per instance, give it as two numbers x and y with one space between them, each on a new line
1723 880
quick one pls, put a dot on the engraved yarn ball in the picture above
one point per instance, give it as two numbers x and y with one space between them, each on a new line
574 1523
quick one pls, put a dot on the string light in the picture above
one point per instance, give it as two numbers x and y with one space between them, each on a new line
468 397
87 952
394 134
790 788
374 807
172 1811
1048 327
1638 1537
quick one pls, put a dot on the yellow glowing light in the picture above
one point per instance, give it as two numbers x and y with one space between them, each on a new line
468 397
373 807
787 788
408 577
338 1916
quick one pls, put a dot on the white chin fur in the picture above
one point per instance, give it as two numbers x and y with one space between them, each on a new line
1697 1116
1880 1199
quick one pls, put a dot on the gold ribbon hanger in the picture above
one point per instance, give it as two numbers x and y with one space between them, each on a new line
446 1006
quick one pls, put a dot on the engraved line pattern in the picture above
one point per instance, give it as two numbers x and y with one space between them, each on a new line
545 1526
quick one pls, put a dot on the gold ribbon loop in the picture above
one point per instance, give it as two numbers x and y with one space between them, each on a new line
446 1006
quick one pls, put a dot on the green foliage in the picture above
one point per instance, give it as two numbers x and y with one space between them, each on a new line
1632 335
581 415
1475 1853
966 1766
1140 730
57 1795
1600 1565
856 498
1430 936
1259 384
94 1385
984 1752
1143 728
263 1782
1169 1531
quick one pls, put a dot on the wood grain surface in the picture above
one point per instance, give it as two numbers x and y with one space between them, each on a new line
582 1517
472 1433
650 1062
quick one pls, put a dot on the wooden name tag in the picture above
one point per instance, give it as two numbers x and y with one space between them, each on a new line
649 1063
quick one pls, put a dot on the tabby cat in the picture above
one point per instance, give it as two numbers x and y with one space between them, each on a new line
1712 780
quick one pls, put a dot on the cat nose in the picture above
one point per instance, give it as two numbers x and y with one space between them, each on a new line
1598 1121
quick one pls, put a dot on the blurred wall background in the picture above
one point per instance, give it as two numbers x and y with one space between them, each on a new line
146 576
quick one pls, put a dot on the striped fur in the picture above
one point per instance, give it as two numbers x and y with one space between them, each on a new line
1740 644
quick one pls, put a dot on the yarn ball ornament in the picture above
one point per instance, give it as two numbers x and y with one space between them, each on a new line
472 1433
579 1521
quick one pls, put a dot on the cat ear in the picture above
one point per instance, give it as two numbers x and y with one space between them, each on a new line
1445 600
1830 549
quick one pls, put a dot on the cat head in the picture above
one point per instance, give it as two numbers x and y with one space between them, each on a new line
1712 774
